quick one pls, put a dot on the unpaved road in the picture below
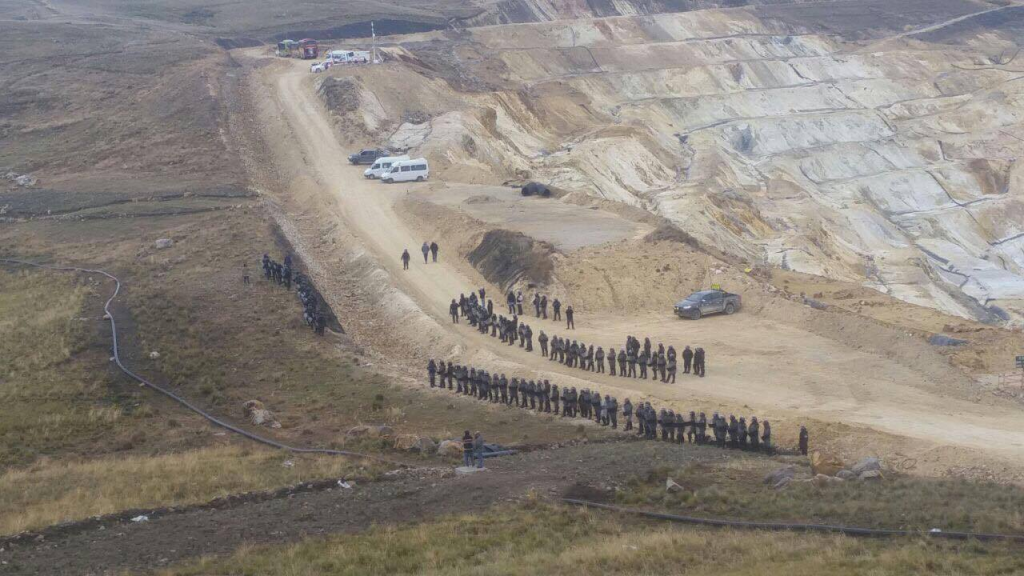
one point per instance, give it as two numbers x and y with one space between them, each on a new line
419 494
777 370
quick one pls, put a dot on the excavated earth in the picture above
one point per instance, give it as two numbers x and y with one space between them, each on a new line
783 136
687 149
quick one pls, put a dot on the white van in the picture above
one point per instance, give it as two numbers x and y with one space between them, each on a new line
382 165
407 171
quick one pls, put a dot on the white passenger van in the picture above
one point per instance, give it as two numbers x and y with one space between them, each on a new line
407 171
382 165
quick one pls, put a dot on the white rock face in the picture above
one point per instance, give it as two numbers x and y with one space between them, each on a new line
897 168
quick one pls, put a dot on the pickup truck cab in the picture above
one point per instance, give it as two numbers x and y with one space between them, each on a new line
367 156
707 302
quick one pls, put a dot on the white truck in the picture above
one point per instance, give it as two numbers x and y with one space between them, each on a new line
349 56
382 165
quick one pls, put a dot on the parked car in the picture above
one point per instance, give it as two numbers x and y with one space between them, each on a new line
318 67
407 171
707 302
381 166
367 156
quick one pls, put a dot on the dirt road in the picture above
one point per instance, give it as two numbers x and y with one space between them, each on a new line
418 494
775 369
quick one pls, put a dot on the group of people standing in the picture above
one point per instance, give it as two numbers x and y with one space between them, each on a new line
653 364
543 396
634 360
283 275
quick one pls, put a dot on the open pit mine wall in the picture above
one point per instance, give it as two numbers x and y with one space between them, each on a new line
897 169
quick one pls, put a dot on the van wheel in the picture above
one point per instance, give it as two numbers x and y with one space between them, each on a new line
419 178
729 309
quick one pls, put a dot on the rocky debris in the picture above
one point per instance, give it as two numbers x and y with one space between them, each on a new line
867 464
464 470
382 431
846 475
258 414
163 243
154 355
780 475
672 487
827 464
782 483
414 443
941 340
870 475
450 448
22 180
825 480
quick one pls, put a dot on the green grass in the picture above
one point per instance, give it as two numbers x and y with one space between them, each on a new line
735 490
543 539
53 368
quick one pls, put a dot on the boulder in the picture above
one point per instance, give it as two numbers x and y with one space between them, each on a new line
865 465
427 446
827 464
410 442
163 243
846 475
258 414
154 355
536 189
825 480
870 475
779 474
26 181
450 448
782 483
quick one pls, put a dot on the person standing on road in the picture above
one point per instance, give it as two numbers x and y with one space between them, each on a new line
556 306
433 251
453 309
245 274
432 370
766 437
544 306
426 251
511 301
569 323
627 413
405 259
698 362
687 359
519 302
536 304
804 441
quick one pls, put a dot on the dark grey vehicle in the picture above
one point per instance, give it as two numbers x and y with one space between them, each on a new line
368 156
707 302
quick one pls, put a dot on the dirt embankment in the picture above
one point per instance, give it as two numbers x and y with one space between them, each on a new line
507 258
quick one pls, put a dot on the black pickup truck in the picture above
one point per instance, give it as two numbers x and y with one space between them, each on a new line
707 302
367 156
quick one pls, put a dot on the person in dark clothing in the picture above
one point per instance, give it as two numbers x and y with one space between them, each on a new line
544 306
536 304
803 440
766 437
753 434
611 361
569 324
433 250
453 309
511 301
478 449
687 359
245 274
405 259
432 370
698 362
556 306
451 374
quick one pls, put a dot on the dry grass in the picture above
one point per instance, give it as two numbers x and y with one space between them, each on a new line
553 540
50 492
734 489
